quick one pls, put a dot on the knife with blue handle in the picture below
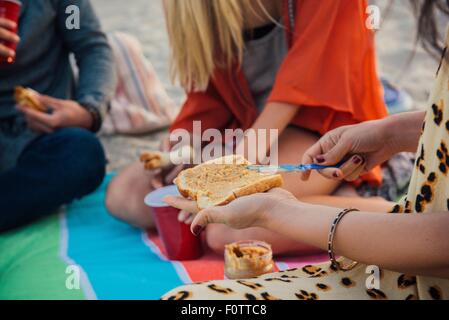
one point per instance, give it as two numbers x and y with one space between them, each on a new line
292 167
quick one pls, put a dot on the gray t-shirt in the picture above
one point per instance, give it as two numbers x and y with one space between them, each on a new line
261 62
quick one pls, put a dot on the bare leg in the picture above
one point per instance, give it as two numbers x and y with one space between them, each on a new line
293 143
125 196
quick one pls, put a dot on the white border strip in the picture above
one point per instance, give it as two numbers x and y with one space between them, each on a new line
179 267
63 253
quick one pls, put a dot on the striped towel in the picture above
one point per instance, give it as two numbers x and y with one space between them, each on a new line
141 104
84 253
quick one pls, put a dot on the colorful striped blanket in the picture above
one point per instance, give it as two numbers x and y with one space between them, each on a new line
84 253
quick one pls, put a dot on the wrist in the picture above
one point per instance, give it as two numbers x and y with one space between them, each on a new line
94 119
388 133
87 120
272 215
402 132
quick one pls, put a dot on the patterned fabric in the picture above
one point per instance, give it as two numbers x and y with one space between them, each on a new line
307 283
428 192
140 104
396 175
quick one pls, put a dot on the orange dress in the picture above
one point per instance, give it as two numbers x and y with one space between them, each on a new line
329 73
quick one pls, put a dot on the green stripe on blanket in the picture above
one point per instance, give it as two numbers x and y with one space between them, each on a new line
30 259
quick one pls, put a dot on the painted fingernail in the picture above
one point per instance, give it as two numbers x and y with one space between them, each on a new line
320 159
357 160
197 230
336 175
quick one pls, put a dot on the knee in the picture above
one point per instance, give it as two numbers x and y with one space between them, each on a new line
87 144
124 192
127 191
86 157
124 202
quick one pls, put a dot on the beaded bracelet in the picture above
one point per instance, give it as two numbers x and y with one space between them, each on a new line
330 243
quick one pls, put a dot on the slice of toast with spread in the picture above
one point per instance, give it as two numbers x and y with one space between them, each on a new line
26 97
223 180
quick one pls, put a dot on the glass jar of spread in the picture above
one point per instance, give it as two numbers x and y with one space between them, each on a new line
248 259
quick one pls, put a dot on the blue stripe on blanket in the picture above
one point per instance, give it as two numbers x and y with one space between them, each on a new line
117 263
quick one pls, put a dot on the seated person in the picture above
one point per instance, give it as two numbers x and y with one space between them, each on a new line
319 77
49 159
409 246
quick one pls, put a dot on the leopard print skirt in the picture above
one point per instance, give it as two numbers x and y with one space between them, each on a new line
308 283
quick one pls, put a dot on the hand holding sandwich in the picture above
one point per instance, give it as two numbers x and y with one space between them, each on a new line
242 213
65 113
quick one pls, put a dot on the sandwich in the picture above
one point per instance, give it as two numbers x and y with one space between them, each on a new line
154 160
26 97
221 181
158 160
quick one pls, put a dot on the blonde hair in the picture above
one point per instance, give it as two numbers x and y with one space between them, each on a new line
204 34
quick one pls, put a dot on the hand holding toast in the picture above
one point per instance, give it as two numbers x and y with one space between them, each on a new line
160 163
155 160
65 113
242 213
164 172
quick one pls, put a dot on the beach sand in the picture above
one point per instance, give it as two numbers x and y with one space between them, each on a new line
144 19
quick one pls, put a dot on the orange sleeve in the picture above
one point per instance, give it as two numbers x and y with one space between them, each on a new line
330 70
206 107
331 64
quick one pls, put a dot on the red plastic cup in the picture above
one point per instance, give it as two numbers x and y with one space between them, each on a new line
179 242
10 9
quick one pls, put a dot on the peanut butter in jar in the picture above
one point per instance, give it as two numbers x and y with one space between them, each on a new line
248 259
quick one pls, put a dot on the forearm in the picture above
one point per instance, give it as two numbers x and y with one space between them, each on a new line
364 204
275 116
406 243
404 130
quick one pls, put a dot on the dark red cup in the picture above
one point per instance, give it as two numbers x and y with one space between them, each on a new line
10 9
179 242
